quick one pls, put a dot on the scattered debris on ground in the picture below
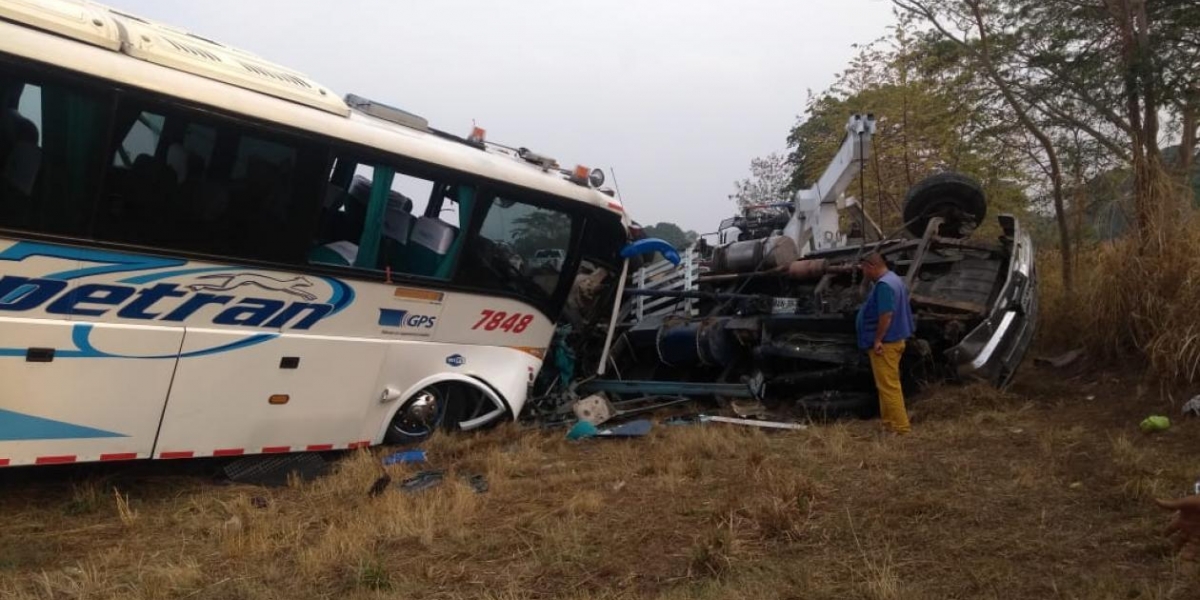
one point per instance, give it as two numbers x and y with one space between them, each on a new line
425 480
1028 493
1061 361
404 457
1155 423
753 423
1192 407
584 430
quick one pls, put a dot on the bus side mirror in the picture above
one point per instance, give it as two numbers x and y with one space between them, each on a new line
650 246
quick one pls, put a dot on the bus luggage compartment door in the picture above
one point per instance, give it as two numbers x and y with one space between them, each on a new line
77 392
249 393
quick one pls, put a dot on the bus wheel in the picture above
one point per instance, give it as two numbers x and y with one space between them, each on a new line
420 416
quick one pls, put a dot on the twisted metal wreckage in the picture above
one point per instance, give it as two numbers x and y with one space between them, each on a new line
766 316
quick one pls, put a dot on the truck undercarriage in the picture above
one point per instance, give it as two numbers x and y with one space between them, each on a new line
786 336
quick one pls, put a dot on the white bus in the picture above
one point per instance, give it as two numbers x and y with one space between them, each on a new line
206 254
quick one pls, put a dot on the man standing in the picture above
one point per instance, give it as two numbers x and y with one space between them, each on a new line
884 322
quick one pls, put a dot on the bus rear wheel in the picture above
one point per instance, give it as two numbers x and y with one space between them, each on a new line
419 417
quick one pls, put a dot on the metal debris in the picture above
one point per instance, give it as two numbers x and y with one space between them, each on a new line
422 481
274 471
754 423
428 479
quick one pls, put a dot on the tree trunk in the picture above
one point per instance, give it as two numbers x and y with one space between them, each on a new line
1056 177
1123 13
1079 191
1145 68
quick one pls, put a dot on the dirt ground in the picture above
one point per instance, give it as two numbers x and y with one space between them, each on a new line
1041 492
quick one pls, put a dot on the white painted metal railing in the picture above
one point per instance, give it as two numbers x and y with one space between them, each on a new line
662 275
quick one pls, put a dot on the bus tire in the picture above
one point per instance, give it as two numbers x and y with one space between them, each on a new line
419 416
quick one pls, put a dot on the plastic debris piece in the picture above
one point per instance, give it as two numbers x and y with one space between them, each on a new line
636 428
1192 406
407 456
582 430
1155 423
595 409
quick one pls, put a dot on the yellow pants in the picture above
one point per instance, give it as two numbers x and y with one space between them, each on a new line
886 368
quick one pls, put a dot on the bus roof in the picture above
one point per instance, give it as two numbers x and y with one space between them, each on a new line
94 39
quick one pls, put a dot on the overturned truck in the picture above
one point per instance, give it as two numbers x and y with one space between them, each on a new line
769 313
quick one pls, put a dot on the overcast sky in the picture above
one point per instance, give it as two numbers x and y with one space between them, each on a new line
676 95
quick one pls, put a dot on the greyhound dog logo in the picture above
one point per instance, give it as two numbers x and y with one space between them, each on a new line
226 282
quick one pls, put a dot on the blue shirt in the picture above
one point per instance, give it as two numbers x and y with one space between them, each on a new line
888 295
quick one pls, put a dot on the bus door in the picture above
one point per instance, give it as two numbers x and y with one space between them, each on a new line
248 393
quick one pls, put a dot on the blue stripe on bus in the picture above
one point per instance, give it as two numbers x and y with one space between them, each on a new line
118 262
15 426
343 295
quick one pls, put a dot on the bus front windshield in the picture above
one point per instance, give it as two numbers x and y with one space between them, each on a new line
520 248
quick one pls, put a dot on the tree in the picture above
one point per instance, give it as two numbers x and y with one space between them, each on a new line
980 53
1100 70
770 182
672 234
540 229
931 117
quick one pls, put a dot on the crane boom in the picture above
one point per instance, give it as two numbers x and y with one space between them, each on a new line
814 223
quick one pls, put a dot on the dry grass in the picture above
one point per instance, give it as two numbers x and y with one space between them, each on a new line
1032 493
1135 297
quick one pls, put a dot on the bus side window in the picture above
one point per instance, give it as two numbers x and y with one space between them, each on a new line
207 186
377 218
49 136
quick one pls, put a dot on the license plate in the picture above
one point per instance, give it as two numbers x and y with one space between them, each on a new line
783 306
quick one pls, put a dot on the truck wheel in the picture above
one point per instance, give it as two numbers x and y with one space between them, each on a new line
956 198
419 417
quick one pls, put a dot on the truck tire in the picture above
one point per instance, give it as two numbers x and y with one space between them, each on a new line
956 198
